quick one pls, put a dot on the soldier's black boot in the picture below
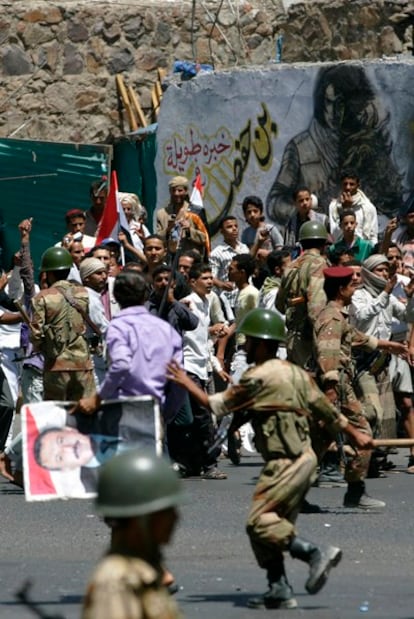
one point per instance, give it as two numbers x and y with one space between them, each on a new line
279 594
357 498
320 561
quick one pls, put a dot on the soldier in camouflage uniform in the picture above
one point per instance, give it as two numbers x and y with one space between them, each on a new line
334 340
137 495
58 330
301 295
281 399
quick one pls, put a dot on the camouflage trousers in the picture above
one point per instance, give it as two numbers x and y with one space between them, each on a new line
280 490
367 388
356 466
68 385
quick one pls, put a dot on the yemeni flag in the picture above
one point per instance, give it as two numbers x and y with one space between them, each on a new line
197 212
113 219
196 198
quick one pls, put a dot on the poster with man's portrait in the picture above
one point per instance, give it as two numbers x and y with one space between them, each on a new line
62 452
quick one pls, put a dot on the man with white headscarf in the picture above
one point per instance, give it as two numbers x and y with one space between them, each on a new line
373 309
94 275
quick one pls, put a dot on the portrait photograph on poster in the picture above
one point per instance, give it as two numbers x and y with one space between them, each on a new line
62 452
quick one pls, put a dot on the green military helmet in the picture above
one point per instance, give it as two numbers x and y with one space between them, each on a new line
56 259
137 483
313 230
264 324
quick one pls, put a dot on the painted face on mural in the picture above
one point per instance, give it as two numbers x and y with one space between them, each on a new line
333 110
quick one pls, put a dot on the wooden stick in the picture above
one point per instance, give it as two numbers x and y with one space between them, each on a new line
155 102
393 442
137 106
125 100
158 90
161 73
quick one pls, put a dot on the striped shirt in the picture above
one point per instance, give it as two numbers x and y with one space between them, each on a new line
220 259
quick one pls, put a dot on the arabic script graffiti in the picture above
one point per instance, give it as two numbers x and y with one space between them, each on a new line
196 148
222 160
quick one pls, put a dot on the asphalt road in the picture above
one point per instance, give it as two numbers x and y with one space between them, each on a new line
56 545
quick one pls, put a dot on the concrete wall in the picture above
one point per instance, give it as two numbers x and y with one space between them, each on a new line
267 131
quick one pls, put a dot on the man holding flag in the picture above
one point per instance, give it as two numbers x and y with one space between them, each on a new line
179 224
114 224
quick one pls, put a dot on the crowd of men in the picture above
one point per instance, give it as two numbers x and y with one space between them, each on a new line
207 332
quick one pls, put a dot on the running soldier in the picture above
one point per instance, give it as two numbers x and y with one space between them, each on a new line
280 399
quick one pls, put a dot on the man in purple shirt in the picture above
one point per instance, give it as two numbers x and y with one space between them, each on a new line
139 347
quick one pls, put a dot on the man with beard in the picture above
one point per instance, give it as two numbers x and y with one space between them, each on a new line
94 275
177 225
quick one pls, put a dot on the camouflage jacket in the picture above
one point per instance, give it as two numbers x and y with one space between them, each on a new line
127 588
283 399
58 329
334 340
301 295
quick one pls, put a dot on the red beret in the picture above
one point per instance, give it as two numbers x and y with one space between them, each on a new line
75 212
338 272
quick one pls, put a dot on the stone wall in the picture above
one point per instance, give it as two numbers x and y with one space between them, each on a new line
58 59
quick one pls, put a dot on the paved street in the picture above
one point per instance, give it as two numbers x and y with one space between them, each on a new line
56 545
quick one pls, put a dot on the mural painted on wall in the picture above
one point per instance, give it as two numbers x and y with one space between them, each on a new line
346 131
271 131
221 160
